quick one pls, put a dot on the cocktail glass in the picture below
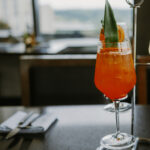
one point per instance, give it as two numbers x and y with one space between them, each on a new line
115 77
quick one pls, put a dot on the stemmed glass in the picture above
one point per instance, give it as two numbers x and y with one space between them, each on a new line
115 77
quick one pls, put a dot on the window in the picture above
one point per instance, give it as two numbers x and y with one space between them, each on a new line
78 18
60 19
15 17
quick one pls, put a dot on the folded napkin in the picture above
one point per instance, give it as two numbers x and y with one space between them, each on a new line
40 125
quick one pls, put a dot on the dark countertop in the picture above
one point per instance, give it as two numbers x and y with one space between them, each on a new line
78 127
53 47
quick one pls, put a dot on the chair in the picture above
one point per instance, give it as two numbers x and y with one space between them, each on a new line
58 80
143 81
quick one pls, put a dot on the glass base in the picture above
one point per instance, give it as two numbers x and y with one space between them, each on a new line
102 148
123 141
124 106
134 147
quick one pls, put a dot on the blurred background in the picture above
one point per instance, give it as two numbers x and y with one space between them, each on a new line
58 19
59 28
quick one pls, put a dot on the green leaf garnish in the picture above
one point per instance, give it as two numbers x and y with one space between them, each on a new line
110 25
102 22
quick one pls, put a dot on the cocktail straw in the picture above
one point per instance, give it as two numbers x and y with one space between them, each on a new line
134 6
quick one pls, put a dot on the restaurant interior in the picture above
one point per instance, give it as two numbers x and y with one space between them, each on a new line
48 51
37 40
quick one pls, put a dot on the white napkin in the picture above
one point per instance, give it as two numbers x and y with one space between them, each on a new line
41 124
44 121
14 120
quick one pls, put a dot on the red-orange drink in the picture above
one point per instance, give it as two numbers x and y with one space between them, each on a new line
114 72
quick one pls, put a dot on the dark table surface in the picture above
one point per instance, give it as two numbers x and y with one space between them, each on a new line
77 128
55 46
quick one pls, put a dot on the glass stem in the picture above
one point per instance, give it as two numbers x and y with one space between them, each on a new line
117 103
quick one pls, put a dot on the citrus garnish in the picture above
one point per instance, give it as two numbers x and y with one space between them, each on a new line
121 34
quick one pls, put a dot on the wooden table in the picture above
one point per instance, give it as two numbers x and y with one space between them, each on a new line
78 127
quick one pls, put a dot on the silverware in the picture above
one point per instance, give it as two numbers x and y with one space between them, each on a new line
141 139
23 124
26 117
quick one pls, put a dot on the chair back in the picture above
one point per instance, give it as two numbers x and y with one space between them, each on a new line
58 80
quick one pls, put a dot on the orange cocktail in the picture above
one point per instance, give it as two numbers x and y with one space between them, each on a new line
114 72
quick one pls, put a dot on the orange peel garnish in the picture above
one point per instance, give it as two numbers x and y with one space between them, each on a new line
121 34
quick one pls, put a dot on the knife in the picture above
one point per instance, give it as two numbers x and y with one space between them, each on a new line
23 124
25 118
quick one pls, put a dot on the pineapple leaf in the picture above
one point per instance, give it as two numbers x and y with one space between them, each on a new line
110 25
